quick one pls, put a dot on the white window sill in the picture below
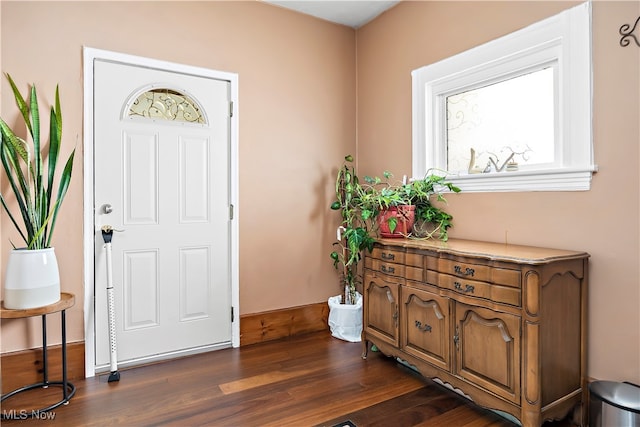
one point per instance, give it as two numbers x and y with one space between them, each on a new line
567 179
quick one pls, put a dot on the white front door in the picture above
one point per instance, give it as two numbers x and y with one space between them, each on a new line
161 170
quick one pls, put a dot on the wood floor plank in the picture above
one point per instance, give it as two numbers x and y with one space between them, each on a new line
307 380
464 415
407 409
259 380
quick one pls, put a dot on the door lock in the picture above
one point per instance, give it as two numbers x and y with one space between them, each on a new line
107 209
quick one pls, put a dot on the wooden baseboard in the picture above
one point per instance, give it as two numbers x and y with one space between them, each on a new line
271 325
20 368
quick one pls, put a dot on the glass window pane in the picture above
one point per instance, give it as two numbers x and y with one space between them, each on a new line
511 121
166 104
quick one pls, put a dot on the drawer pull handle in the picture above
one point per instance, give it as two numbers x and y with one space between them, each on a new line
386 269
467 288
425 328
467 271
388 256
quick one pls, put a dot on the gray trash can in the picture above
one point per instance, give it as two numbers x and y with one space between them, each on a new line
614 404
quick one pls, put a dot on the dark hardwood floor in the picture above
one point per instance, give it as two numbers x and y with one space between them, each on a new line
308 380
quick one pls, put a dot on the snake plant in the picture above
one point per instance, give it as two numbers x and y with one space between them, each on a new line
24 167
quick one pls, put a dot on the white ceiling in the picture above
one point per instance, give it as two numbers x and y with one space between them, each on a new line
352 13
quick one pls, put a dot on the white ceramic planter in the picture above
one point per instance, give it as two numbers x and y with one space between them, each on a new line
32 279
345 320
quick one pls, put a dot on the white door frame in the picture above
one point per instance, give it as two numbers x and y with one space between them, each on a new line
90 55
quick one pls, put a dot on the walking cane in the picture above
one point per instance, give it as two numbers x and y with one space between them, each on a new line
107 234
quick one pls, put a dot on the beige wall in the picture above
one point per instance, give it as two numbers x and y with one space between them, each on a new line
297 119
603 221
296 116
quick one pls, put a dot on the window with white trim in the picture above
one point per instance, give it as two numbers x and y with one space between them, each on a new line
513 114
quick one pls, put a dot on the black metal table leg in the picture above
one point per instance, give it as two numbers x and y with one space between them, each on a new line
68 389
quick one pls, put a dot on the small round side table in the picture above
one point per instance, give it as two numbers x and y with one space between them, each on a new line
68 389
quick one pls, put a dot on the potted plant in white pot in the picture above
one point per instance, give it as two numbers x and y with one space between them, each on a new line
32 276
364 209
353 236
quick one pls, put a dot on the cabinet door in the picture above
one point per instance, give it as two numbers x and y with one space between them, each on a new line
381 306
424 318
488 349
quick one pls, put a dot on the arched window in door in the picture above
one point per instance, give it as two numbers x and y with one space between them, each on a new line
161 103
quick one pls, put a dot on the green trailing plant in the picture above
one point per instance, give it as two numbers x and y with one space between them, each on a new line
426 194
353 234
360 204
379 194
33 184
422 193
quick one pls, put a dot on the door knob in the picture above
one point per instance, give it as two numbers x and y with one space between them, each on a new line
107 209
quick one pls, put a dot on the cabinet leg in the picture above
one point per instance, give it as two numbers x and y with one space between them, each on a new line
365 349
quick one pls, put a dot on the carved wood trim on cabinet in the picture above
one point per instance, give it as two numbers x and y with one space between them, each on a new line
504 324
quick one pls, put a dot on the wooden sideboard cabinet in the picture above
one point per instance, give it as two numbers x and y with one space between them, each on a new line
504 325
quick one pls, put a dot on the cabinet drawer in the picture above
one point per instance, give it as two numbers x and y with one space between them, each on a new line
413 273
388 268
461 269
414 260
483 273
474 288
388 255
